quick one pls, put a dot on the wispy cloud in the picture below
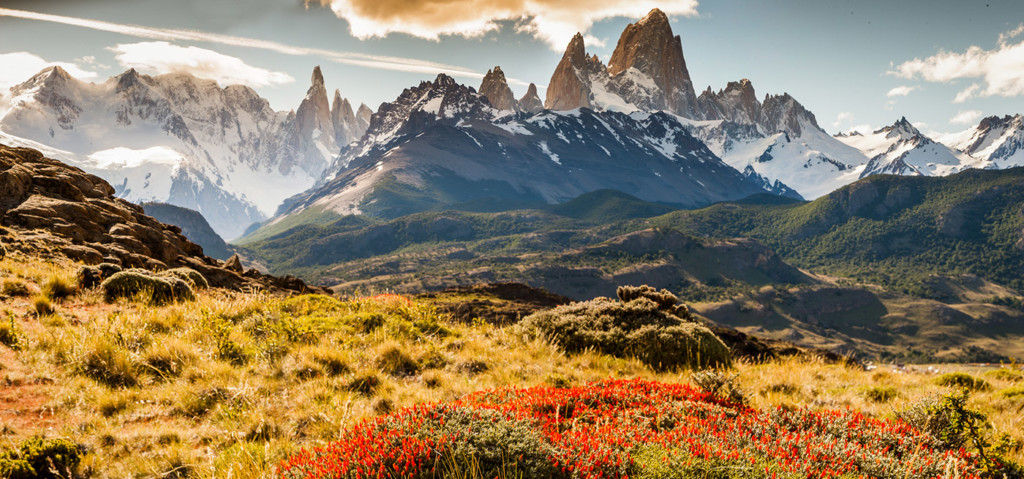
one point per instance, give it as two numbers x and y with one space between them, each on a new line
1002 68
19 66
967 117
902 90
163 57
169 34
552 21
967 93
841 118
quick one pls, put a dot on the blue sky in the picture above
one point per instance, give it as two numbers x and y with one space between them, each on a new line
852 63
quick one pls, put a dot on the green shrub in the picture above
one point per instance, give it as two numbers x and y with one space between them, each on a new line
57 289
719 384
192 277
1013 393
881 394
650 330
14 288
962 380
134 282
93 276
108 364
38 458
1005 374
489 445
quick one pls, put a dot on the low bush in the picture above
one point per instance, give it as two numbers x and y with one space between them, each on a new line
168 358
57 289
620 428
92 276
881 394
962 381
108 364
365 384
134 283
647 327
9 334
1005 374
38 458
1016 392
194 278
42 306
396 362
719 384
14 288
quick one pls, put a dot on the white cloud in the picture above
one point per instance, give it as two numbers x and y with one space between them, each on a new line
862 129
1002 69
967 117
902 90
20 66
841 118
967 93
168 34
552 21
163 57
1016 32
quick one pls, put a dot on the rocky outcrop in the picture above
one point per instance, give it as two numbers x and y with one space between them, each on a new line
495 88
363 115
48 208
648 51
531 102
782 113
736 103
569 87
192 225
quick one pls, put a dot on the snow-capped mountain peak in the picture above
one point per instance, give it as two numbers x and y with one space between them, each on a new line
999 141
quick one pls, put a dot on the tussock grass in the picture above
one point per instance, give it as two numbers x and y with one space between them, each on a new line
229 384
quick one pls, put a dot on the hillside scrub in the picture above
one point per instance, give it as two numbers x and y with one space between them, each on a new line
135 283
632 428
150 390
644 323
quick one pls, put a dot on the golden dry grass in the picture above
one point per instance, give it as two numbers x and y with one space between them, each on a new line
228 385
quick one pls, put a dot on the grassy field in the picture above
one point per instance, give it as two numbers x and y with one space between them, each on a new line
233 383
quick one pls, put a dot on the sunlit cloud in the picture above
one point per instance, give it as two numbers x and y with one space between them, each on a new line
967 93
163 57
552 21
902 90
1002 69
967 117
167 34
20 66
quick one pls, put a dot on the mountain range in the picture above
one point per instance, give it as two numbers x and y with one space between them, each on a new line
636 125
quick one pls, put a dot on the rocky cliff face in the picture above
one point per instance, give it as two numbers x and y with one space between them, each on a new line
736 103
646 72
50 208
193 226
182 140
531 102
314 129
998 141
346 127
647 51
569 87
497 91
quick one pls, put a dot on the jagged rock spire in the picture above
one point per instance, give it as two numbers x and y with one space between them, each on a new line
530 102
569 87
495 88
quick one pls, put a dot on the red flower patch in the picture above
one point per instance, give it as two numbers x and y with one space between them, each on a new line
623 428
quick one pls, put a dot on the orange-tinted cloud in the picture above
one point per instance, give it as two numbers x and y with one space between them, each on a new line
553 21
